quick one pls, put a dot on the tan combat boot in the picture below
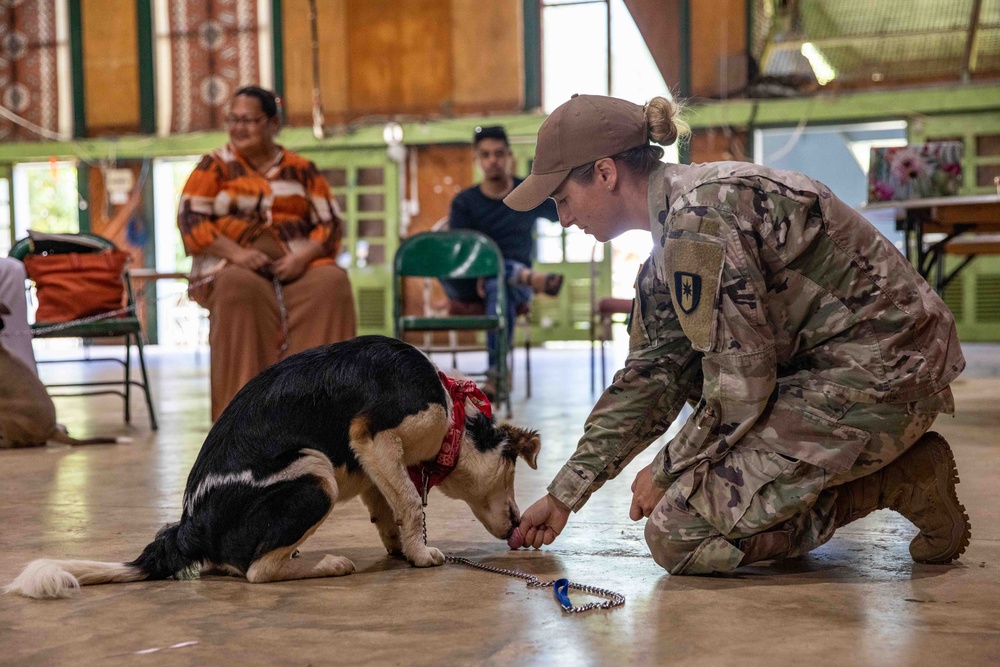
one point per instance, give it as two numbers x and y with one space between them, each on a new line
920 485
773 544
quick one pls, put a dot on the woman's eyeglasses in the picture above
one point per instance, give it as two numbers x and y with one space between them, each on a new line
234 121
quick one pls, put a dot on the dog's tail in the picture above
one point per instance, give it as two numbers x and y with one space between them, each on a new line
62 435
45 578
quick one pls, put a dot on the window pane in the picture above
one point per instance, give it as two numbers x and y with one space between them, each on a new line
371 228
368 254
576 53
371 176
46 198
579 246
549 243
988 144
634 74
987 175
180 322
376 254
550 250
371 202
169 177
335 178
574 57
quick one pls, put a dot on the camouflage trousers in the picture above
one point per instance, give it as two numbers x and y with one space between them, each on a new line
709 506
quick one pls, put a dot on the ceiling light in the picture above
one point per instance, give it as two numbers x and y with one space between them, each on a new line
821 67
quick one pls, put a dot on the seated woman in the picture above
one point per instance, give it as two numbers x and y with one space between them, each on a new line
260 219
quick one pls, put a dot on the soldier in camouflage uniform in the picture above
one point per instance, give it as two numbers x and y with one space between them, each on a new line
816 358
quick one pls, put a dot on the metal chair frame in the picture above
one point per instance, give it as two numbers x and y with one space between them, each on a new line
128 327
457 254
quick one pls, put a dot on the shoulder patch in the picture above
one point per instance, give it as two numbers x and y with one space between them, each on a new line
694 269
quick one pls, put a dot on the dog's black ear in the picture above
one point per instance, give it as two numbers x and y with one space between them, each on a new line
524 443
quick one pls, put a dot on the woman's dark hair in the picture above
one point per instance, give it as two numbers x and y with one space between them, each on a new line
663 127
270 103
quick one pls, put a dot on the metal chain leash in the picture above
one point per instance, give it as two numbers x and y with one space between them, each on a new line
614 599
560 586
111 314
42 331
284 315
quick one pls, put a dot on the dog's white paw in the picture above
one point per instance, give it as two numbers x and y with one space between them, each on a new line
336 566
428 557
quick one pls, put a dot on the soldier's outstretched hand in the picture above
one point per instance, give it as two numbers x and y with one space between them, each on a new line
542 522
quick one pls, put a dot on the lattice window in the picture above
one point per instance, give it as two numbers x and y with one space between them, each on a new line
954 298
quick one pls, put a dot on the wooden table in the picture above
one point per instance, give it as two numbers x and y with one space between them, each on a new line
142 277
143 274
953 217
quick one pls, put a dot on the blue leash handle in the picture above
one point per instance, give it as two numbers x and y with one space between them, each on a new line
560 588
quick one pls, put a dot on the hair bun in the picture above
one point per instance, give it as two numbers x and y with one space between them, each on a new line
663 123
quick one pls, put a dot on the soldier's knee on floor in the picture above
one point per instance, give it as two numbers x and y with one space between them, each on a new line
670 554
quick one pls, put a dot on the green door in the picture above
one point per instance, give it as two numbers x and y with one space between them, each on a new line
365 183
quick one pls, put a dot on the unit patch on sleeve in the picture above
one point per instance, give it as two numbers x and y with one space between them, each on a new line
688 286
696 268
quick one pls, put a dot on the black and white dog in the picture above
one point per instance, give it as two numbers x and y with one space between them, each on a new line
317 428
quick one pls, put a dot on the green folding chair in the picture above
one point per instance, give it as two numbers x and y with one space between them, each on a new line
453 255
127 327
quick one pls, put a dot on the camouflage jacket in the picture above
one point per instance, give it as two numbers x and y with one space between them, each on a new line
760 281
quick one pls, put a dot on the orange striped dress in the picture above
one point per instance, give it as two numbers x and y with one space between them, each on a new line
290 202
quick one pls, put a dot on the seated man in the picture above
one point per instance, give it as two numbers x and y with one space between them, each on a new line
16 336
481 208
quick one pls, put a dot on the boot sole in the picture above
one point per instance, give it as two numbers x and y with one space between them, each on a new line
946 481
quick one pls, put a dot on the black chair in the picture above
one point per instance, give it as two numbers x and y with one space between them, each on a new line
127 326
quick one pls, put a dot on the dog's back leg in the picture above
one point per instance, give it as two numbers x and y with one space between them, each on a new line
290 508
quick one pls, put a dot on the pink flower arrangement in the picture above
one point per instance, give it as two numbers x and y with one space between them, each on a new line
953 168
907 165
883 191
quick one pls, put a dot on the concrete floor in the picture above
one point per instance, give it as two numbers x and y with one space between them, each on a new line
859 600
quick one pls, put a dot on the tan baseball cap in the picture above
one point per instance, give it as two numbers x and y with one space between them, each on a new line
578 132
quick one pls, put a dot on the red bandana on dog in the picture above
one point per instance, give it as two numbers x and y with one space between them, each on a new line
435 471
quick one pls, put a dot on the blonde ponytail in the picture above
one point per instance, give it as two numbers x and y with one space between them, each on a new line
663 122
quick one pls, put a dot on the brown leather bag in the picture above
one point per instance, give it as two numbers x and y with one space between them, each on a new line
74 285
